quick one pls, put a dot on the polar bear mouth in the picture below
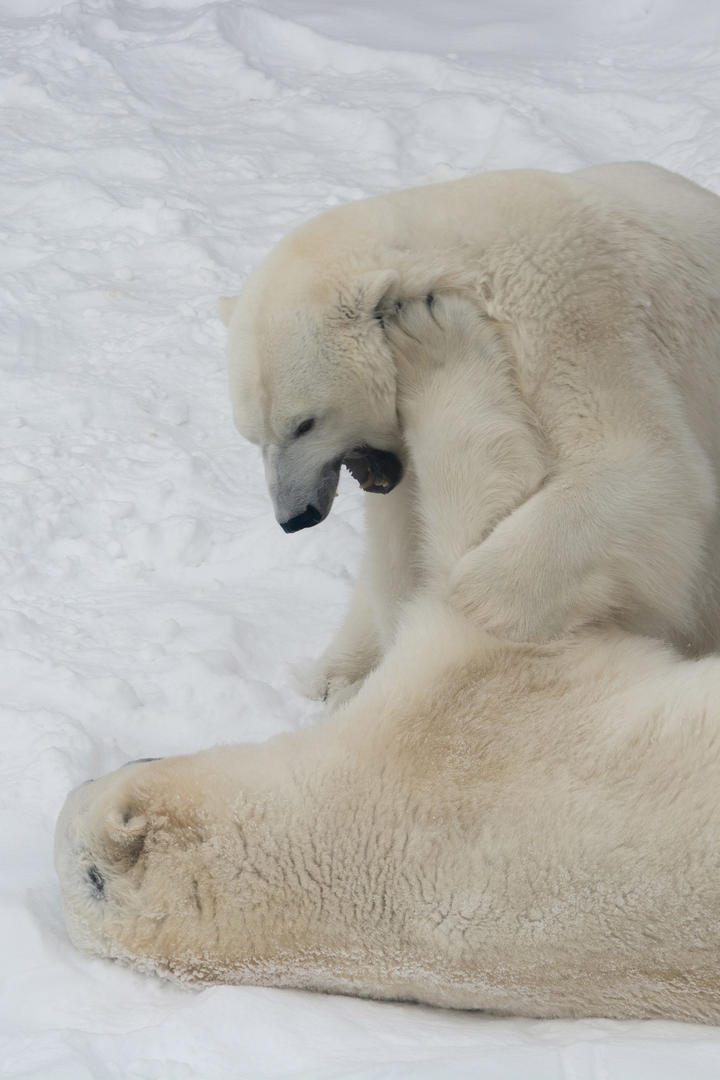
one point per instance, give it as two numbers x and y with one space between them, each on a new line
377 471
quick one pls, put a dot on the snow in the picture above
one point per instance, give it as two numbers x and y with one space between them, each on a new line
151 154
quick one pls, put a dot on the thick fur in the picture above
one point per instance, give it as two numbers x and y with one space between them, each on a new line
570 355
527 828
522 828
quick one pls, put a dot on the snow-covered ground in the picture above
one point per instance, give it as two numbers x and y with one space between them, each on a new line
152 152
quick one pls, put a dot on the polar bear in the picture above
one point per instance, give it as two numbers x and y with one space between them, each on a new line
591 310
528 829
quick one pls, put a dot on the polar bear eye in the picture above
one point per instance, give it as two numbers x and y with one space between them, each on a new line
96 880
302 429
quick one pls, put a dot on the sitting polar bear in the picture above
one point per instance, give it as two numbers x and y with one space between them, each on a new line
586 389
522 828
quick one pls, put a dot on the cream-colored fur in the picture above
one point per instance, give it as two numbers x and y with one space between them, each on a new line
575 325
522 828
527 828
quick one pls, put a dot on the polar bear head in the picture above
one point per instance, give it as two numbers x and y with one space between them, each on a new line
312 381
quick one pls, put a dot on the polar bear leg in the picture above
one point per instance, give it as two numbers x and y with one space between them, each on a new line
595 542
354 651
386 579
529 545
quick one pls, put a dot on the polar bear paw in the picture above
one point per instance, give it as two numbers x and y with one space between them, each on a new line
331 683
425 325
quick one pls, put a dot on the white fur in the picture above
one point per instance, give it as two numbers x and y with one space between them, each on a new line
527 828
523 828
570 356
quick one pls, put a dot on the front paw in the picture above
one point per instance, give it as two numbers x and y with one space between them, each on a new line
501 603
432 323
321 681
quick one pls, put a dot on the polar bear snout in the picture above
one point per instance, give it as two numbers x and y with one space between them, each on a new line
309 517
302 496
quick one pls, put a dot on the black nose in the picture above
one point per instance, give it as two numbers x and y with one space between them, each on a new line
310 516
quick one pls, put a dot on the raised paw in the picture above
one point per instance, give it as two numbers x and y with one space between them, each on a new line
430 322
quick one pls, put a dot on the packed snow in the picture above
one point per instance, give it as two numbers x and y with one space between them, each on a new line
152 152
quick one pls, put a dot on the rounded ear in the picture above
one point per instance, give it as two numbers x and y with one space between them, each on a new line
225 307
127 827
374 289
124 837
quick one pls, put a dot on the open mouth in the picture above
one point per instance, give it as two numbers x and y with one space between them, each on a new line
376 471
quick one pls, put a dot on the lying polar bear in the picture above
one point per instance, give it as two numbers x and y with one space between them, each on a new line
594 301
523 828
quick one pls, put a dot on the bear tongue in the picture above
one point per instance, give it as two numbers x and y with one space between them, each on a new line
377 471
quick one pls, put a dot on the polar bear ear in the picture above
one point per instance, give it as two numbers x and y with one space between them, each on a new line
124 839
125 827
225 307
374 289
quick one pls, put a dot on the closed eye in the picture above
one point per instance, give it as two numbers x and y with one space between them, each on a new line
302 429
96 880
